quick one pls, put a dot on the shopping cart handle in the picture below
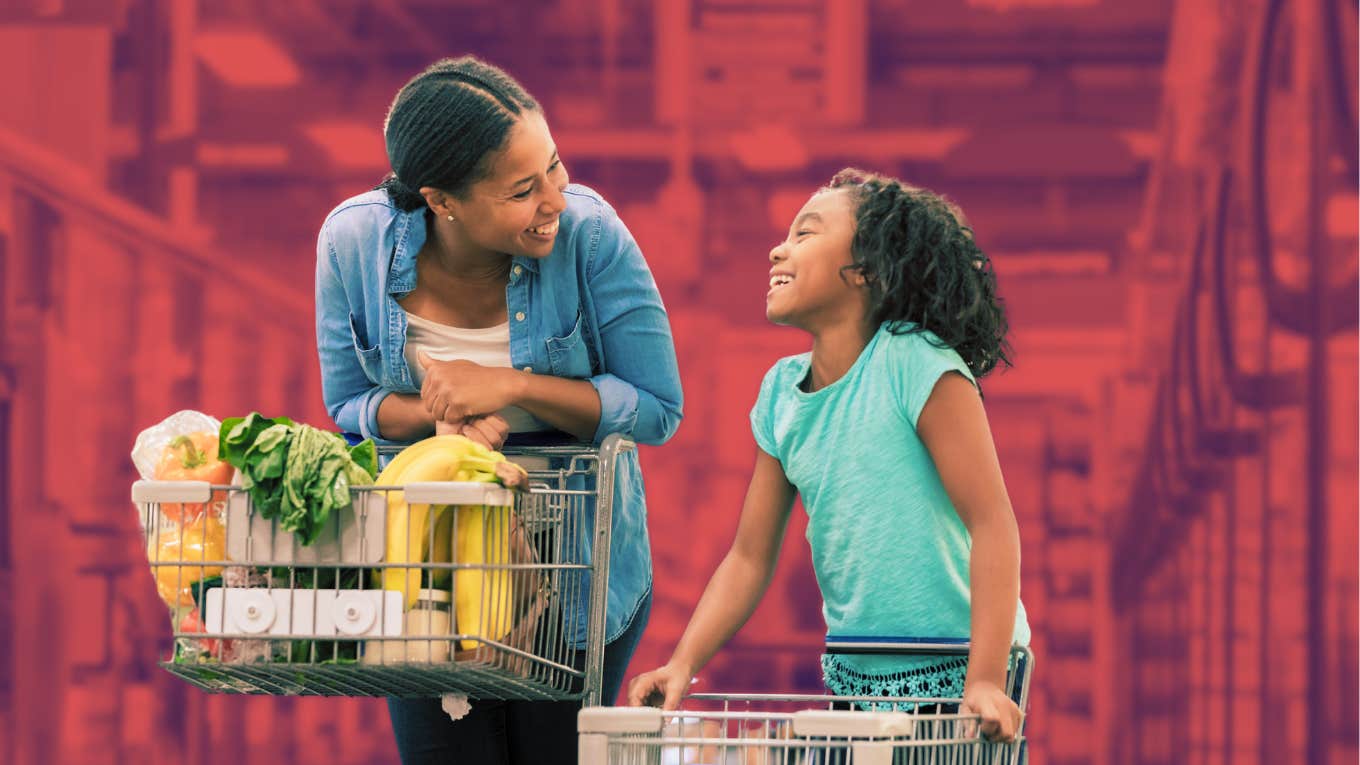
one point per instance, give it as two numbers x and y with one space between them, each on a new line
844 644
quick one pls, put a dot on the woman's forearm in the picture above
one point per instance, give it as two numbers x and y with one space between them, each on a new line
569 405
994 569
403 417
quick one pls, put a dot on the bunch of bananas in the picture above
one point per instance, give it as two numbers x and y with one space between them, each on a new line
483 598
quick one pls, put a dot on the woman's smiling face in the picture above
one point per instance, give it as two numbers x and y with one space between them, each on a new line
809 285
515 208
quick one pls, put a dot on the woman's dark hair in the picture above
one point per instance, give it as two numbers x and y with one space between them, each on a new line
923 268
445 124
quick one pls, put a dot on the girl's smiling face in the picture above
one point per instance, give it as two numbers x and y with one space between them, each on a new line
810 286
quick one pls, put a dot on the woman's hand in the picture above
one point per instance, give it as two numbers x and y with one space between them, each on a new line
1000 715
489 430
455 391
663 686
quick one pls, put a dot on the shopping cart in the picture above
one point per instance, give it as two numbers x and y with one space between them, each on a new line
794 729
505 598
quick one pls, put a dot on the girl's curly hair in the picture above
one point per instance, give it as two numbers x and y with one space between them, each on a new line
924 271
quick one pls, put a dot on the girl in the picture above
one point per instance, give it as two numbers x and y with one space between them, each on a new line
881 431
477 291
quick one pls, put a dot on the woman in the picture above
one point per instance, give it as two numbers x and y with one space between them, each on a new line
476 291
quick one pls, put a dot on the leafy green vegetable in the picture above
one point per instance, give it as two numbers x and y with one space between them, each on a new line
323 578
238 433
201 587
294 472
365 455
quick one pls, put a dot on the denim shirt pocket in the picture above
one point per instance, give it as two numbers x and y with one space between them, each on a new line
370 358
568 354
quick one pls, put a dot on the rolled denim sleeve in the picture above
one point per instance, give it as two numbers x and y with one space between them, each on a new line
639 389
351 398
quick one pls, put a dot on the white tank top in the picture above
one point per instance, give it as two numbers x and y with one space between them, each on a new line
489 347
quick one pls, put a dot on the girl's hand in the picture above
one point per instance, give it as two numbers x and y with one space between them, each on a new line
489 430
1000 716
457 390
663 686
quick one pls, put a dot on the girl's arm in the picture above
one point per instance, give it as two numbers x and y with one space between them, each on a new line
733 592
953 426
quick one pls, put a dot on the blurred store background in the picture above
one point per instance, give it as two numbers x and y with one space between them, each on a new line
1168 189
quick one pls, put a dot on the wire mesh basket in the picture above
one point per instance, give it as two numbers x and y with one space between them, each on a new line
796 729
414 590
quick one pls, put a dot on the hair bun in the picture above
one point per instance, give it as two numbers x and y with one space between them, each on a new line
402 196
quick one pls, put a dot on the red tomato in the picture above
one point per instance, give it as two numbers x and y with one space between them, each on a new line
192 624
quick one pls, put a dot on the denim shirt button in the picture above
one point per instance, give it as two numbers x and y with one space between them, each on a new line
519 316
519 270
528 369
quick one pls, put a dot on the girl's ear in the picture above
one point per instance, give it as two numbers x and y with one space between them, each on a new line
856 277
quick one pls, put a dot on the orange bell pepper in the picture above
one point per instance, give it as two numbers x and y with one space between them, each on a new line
176 551
192 457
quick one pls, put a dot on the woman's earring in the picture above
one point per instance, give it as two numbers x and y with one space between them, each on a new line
450 217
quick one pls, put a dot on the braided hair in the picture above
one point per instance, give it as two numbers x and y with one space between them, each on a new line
923 268
445 126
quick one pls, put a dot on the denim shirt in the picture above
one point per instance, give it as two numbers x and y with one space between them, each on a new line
590 310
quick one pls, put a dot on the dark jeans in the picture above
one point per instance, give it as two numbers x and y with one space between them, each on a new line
507 732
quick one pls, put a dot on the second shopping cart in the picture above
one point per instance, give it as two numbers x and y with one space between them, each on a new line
800 729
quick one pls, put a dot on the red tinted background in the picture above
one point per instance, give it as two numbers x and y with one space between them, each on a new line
1168 191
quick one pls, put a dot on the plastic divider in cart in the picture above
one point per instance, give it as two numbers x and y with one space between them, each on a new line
304 613
612 735
148 494
353 534
811 723
808 723
458 493
158 492
619 720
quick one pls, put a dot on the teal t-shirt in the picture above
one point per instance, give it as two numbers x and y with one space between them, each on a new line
890 552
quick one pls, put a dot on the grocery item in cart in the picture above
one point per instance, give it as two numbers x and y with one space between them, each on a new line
150 444
295 473
190 624
159 453
698 753
511 602
437 459
193 457
485 597
175 547
432 615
